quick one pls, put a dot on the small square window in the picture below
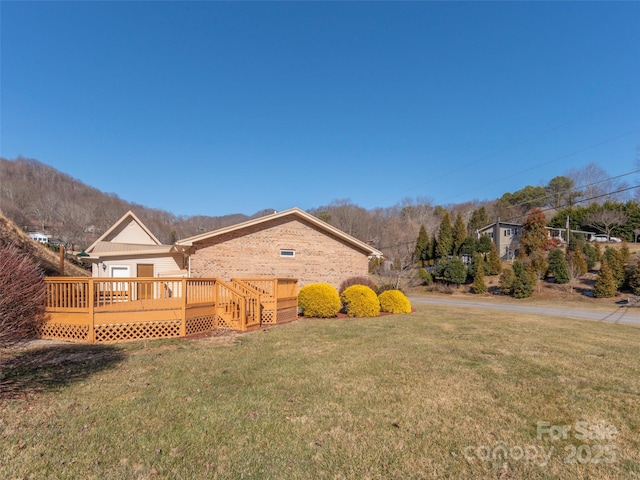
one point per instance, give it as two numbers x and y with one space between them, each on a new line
287 253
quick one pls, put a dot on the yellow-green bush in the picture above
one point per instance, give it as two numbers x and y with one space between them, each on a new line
319 300
394 301
360 301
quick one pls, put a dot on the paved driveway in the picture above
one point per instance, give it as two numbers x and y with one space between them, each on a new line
618 314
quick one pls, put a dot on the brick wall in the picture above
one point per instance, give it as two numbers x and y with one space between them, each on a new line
255 251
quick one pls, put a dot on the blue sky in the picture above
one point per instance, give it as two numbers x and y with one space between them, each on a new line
231 107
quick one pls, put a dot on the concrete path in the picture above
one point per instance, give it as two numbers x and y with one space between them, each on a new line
618 314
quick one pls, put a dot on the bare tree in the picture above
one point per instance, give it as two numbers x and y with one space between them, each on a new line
606 220
596 185
22 294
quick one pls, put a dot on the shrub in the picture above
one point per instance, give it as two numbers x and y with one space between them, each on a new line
494 267
479 285
558 266
319 300
22 294
507 280
425 276
605 285
394 301
614 259
517 282
452 271
388 286
357 281
591 255
360 301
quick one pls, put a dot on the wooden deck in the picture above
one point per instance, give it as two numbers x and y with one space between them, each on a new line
94 310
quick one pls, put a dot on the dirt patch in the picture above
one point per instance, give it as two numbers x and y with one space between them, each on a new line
216 337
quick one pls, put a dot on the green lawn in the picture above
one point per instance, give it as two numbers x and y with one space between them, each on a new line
433 394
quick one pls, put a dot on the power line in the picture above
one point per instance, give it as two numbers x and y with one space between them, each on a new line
545 209
537 199
560 207
562 157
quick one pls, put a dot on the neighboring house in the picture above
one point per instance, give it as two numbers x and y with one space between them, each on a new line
39 237
129 249
286 244
505 236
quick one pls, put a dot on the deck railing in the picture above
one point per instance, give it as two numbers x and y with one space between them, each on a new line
115 309
278 297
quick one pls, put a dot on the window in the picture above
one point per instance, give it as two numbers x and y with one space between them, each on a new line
287 253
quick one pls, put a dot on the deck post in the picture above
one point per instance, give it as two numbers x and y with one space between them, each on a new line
183 310
91 304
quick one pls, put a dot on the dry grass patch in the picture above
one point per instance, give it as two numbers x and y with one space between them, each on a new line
400 396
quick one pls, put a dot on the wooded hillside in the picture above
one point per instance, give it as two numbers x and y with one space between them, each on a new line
38 197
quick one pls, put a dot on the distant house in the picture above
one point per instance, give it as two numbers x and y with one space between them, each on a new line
505 236
286 244
39 237
129 249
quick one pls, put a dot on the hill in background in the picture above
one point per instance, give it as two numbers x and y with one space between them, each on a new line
47 259
38 197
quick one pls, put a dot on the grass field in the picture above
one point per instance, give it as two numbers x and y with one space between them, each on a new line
440 393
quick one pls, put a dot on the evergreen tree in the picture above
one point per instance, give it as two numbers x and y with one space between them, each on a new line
558 266
536 263
517 281
625 254
479 285
452 271
614 261
507 280
634 279
459 234
591 256
494 267
524 281
432 248
605 285
534 234
479 219
421 253
444 246
576 261
469 246
484 244
477 261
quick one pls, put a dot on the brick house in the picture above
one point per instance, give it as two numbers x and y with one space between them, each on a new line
286 244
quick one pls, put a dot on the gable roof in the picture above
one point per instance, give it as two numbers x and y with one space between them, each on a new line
294 212
128 219
508 224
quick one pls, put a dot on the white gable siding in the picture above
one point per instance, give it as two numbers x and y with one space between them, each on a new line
160 265
131 233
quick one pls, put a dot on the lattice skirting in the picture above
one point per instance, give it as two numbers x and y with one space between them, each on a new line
137 331
287 314
205 323
58 331
268 317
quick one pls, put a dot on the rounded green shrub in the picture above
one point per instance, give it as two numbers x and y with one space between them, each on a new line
319 300
394 301
360 301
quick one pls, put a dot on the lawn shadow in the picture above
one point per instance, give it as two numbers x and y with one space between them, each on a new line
35 369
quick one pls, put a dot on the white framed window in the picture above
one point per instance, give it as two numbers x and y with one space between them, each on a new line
119 271
287 253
